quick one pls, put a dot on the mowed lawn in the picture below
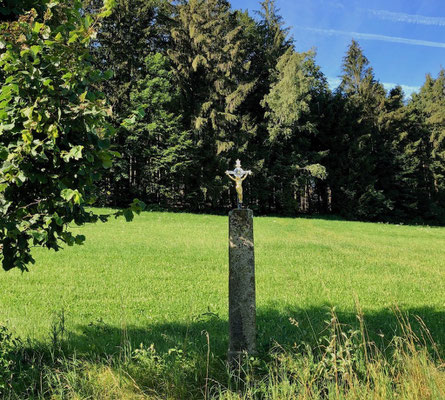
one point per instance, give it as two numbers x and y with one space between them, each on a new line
162 279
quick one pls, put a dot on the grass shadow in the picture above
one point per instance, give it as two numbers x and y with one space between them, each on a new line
286 328
99 357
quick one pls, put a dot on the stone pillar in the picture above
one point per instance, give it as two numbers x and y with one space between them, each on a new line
242 309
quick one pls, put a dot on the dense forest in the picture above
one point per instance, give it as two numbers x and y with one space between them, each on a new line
196 85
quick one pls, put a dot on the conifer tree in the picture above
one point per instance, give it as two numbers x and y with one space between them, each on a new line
434 112
136 29
424 148
292 125
267 40
160 148
211 66
210 84
357 190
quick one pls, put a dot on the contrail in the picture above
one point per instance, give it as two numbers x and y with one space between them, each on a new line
372 36
410 18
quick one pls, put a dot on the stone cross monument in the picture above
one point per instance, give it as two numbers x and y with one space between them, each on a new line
242 308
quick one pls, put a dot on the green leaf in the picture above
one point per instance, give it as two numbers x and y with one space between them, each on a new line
104 144
67 194
37 27
73 37
128 122
128 214
3 153
80 239
24 52
68 238
76 152
137 206
82 96
36 50
57 219
6 127
21 177
27 136
104 217
47 82
67 76
27 112
53 132
140 111
115 154
70 194
77 197
52 4
39 236
106 159
107 8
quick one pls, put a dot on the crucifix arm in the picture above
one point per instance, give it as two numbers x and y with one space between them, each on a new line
245 176
232 178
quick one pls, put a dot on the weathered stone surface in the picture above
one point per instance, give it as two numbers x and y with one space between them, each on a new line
242 309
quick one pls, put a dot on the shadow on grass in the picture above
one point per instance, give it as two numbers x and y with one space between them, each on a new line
83 365
273 327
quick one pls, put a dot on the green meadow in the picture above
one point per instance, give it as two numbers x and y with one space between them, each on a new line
162 280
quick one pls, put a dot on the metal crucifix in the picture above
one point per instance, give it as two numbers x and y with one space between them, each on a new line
238 175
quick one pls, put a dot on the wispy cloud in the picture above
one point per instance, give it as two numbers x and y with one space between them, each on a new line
407 89
333 83
409 18
372 36
335 4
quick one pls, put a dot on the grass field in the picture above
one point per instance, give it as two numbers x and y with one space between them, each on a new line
162 279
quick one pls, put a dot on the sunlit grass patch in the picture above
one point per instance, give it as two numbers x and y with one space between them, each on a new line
132 308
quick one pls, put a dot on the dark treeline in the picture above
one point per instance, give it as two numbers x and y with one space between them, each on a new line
211 84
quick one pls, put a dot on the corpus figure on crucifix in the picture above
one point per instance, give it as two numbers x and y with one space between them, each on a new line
238 176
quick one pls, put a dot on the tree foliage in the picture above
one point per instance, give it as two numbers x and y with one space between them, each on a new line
292 125
194 85
10 10
160 147
212 71
239 89
135 30
54 135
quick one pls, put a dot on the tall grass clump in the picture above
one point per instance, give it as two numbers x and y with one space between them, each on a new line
345 364
341 363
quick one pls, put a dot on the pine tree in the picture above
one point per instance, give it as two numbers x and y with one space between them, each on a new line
135 29
160 148
274 34
267 40
424 148
394 171
212 66
435 121
292 126
357 191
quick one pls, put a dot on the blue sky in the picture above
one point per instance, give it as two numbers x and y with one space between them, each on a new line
403 39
